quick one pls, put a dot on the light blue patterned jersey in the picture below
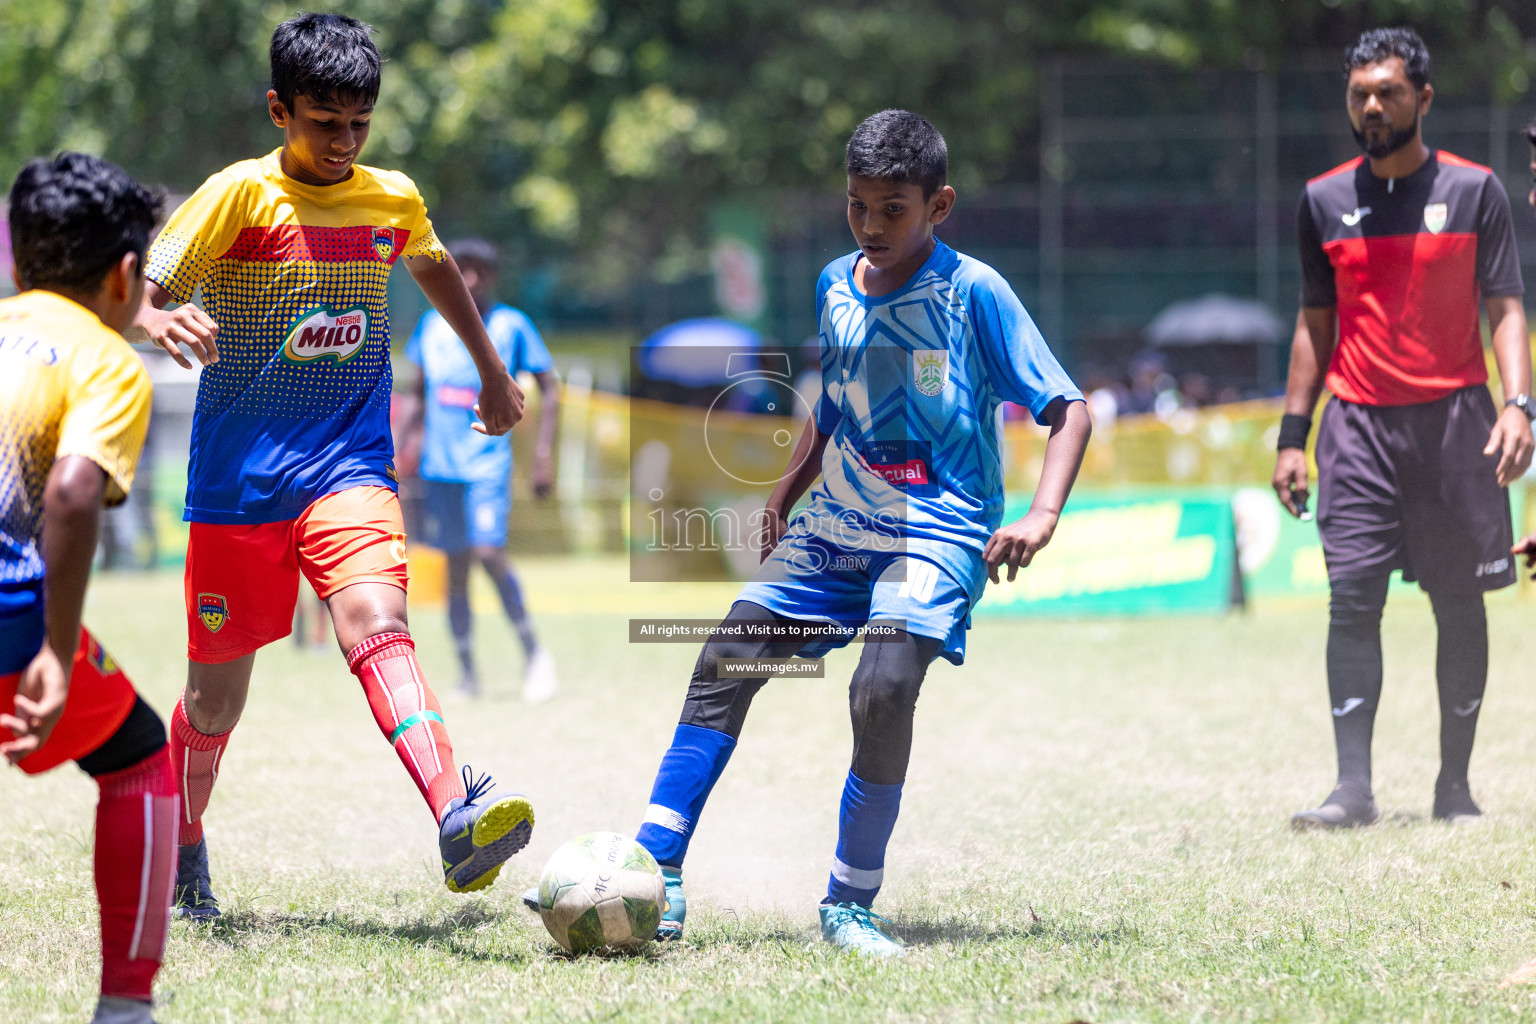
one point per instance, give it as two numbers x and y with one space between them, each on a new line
911 383
451 449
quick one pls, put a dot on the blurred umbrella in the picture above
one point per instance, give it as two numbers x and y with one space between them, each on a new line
1215 320
696 353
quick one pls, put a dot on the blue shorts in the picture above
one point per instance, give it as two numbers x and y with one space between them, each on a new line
458 516
810 578
22 628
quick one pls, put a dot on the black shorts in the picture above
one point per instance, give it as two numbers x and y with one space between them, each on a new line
1408 487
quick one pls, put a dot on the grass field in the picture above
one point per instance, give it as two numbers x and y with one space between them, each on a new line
1094 828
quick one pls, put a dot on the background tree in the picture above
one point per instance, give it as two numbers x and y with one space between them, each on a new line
597 133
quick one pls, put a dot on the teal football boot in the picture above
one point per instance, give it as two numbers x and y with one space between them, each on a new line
852 927
671 927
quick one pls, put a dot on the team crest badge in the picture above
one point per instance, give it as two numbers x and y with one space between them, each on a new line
1435 215
100 660
213 610
384 243
930 371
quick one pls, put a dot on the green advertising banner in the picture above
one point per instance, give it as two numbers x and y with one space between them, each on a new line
1127 554
1281 556
1160 550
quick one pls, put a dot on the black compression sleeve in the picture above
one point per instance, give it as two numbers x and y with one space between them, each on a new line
141 734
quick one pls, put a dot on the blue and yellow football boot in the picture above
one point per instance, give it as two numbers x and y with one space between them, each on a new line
480 832
852 927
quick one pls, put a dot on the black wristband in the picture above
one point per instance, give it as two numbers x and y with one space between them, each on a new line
1293 431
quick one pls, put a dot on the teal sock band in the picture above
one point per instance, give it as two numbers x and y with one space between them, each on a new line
416 719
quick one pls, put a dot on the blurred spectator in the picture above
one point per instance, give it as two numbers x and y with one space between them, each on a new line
1106 396
1195 390
1149 379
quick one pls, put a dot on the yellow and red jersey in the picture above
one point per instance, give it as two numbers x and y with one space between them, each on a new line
294 275
69 385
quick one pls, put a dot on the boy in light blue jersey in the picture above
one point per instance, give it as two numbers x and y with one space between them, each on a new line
467 475
919 347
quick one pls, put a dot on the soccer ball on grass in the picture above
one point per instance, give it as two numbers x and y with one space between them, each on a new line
601 890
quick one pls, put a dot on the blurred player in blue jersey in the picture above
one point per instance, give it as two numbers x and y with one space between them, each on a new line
467 475
919 347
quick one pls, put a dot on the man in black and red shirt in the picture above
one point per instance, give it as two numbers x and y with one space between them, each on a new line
1398 249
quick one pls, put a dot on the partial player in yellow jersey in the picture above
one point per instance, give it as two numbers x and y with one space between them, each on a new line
74 408
292 466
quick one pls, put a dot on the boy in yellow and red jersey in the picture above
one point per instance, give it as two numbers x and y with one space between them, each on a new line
291 469
74 407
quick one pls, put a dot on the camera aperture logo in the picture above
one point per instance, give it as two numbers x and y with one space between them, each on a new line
326 334
930 371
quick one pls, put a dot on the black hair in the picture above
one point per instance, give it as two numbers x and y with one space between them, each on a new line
1530 132
1381 44
326 57
900 147
73 217
475 250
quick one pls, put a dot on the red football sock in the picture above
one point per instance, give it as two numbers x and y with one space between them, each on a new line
195 758
408 714
135 872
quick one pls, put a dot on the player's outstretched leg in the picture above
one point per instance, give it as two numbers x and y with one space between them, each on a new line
539 680
478 828
1461 670
135 867
461 622
1354 687
712 717
217 695
480 831
882 701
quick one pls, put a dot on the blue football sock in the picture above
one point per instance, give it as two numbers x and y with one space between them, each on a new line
460 624
864 827
689 770
512 602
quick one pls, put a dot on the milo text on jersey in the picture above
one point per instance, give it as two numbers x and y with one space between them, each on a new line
294 275
1406 262
911 384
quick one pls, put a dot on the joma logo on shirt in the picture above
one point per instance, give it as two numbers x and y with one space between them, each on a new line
327 334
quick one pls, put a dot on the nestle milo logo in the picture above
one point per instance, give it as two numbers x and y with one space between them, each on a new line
327 334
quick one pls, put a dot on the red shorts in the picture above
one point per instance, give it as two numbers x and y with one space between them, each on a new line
100 697
242 582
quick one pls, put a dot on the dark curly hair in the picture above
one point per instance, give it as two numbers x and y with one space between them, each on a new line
900 147
1380 44
325 57
73 217
477 251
